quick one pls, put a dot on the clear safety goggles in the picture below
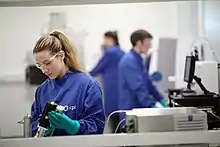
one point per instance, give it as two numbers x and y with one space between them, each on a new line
47 62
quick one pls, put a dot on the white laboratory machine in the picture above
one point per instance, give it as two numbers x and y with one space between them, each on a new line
167 120
208 72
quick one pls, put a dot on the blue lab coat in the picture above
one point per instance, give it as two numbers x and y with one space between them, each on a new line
136 88
108 68
81 96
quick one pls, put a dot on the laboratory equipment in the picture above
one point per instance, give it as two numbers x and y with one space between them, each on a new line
26 122
189 76
209 104
44 123
208 72
208 60
163 60
203 49
167 120
189 70
204 99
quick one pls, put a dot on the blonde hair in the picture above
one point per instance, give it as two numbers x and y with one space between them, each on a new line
56 42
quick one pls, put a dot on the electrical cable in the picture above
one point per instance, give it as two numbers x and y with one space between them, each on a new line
214 115
119 125
114 112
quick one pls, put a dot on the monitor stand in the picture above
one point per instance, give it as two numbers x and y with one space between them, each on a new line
188 89
199 82
190 93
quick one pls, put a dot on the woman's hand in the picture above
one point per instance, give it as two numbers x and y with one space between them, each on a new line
61 121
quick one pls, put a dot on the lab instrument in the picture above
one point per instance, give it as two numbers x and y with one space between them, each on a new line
26 122
44 123
205 100
189 70
167 120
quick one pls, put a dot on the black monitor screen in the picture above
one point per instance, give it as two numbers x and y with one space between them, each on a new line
189 69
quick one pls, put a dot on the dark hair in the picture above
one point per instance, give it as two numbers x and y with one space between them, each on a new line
113 35
55 42
139 35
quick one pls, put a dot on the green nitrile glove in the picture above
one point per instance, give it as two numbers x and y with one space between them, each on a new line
61 121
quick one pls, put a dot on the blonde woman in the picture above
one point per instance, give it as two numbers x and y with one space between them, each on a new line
68 86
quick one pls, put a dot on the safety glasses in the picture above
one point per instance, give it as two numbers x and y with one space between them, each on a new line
46 62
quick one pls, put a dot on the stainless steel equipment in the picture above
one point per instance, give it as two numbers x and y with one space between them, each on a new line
167 120
26 122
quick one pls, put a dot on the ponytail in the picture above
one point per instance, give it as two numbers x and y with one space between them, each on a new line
56 42
70 59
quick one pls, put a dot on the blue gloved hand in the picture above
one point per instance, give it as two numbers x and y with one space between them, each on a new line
163 103
61 121
156 76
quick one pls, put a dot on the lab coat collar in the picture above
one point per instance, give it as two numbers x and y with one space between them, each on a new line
137 56
112 46
61 81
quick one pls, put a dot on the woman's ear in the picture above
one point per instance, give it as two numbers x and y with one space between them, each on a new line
62 54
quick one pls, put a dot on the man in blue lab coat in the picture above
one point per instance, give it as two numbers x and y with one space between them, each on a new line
135 87
108 68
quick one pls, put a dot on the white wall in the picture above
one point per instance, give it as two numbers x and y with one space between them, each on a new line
15 102
212 24
188 32
20 27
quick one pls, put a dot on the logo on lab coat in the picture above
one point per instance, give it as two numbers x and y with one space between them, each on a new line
67 108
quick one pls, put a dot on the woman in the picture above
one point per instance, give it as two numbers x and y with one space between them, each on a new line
68 86
108 68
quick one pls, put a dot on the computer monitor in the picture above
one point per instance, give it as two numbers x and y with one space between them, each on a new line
189 69
189 74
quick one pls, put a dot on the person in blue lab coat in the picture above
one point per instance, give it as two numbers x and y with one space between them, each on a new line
68 86
108 68
135 87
